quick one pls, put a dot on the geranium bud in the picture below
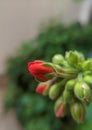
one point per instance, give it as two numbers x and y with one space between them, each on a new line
41 89
68 96
59 111
38 70
70 84
58 59
60 108
88 79
82 91
56 89
74 58
44 87
78 112
87 65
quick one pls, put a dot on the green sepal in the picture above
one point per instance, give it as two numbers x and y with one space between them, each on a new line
57 68
50 75
46 91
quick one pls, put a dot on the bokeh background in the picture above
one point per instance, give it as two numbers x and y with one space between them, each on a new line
20 20
32 30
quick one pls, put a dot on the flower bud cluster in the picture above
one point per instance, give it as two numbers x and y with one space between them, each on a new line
67 80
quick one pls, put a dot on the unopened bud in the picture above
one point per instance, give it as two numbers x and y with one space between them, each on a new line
58 59
56 89
60 108
74 58
68 96
70 84
78 112
82 91
87 65
88 79
41 89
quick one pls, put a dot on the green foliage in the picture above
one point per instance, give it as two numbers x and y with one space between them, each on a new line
38 124
34 111
29 106
11 94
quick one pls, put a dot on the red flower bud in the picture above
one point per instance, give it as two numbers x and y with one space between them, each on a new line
41 89
59 111
60 108
38 70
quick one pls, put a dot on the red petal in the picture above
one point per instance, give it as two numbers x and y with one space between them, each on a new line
40 89
34 62
59 112
41 77
38 70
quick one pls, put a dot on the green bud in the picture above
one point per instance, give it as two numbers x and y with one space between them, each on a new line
59 104
82 91
88 79
87 65
74 58
58 59
78 112
56 89
68 96
70 84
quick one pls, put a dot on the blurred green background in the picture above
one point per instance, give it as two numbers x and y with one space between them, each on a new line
34 111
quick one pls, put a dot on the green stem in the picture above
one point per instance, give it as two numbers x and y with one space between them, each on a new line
71 70
65 75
